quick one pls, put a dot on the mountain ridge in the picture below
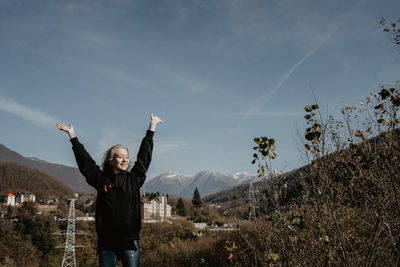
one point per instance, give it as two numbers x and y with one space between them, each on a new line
175 184
207 182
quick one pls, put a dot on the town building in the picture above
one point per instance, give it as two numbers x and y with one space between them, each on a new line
14 200
157 208
23 197
9 199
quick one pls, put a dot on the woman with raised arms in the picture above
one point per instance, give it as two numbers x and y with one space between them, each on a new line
118 211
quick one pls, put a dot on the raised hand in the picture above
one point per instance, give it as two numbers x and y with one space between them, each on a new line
68 129
154 120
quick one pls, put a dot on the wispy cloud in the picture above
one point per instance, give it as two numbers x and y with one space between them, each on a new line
168 146
266 96
272 23
182 80
31 114
260 114
120 76
124 77
185 82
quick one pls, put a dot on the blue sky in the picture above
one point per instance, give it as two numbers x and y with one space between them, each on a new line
218 72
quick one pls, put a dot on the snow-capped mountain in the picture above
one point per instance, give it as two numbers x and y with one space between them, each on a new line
207 182
244 177
168 183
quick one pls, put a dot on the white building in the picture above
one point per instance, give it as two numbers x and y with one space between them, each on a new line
9 199
23 197
155 208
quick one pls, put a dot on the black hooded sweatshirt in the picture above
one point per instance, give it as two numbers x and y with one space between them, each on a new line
118 209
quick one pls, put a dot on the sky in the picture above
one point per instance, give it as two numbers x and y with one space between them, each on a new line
219 73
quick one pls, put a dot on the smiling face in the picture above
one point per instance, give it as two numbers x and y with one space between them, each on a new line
120 159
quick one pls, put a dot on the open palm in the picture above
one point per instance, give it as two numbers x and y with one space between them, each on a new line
68 129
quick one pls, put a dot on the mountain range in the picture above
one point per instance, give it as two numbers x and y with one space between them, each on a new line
207 182
173 184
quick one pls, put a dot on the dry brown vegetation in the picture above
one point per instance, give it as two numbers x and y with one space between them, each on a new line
348 212
179 244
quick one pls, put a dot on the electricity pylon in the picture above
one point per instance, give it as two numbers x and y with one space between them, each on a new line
253 202
69 253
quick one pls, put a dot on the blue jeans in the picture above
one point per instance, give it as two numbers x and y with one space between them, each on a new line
129 258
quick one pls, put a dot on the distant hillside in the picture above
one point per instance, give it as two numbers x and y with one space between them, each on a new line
207 182
16 178
292 178
68 175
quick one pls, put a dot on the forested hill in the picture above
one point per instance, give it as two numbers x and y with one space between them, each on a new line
16 178
68 175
